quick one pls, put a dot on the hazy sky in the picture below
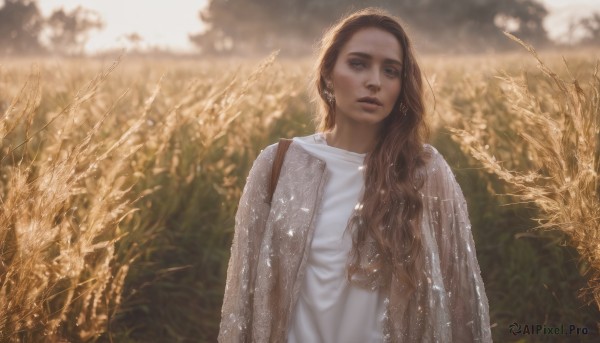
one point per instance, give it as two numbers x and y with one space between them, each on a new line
160 23
167 23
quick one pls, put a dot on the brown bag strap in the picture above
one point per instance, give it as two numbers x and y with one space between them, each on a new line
282 147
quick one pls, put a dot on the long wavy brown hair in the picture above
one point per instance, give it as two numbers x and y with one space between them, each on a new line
390 211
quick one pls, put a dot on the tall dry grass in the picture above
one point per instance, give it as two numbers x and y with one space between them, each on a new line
200 144
63 196
80 172
556 125
118 195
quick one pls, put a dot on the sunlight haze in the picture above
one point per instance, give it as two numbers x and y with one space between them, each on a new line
167 25
163 24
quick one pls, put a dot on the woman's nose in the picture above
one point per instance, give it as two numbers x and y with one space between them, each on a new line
373 81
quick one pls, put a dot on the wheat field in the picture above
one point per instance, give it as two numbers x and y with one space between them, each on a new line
119 181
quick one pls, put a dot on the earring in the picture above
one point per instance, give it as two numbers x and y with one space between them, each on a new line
328 93
403 109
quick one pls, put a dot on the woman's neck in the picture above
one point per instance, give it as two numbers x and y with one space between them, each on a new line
359 141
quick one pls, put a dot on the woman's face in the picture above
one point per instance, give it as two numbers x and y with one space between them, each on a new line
366 77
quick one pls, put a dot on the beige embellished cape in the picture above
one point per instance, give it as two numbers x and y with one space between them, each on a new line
267 264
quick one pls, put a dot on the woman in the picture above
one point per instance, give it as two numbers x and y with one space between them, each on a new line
367 237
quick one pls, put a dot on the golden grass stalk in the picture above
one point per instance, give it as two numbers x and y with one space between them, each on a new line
560 126
59 216
70 179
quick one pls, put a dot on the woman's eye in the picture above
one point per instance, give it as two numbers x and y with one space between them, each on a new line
357 64
393 72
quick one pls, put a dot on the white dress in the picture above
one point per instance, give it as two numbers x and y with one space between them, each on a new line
329 309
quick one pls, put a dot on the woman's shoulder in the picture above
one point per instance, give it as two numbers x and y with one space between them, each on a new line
433 158
266 156
436 168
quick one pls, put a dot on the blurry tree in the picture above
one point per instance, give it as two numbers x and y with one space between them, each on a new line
134 39
20 27
474 25
237 26
68 30
240 26
591 29
133 42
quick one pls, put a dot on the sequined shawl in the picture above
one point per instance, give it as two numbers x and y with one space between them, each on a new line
271 244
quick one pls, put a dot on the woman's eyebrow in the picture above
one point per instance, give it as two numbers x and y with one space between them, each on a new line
367 56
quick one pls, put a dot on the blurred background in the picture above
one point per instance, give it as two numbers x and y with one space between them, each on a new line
226 27
128 129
